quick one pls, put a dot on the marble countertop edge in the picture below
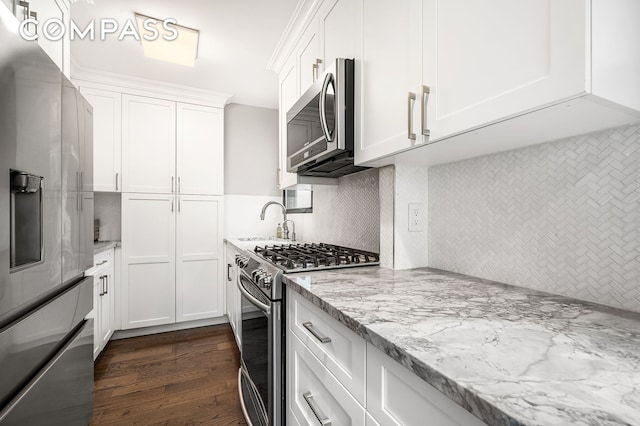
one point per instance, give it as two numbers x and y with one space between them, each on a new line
463 396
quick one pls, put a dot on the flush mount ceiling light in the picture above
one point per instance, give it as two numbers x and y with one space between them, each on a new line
167 41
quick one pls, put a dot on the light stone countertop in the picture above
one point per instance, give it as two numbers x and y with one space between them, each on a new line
243 244
100 246
511 356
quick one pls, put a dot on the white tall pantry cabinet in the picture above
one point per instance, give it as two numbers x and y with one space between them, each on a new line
171 212
165 154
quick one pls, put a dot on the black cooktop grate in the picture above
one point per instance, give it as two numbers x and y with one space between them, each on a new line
295 257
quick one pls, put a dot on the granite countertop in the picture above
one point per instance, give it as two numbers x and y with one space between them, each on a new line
100 246
509 355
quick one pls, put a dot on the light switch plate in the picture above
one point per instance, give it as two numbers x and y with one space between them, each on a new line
416 217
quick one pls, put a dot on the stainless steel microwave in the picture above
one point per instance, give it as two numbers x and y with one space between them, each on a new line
320 125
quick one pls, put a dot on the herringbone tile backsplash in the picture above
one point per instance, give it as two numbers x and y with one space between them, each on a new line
347 214
562 217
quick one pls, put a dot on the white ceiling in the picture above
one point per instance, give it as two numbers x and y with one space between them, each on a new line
237 38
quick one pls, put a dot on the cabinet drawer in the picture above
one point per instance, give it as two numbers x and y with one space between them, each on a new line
314 393
343 355
396 396
102 259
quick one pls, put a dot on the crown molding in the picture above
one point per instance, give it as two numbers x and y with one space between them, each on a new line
146 87
302 16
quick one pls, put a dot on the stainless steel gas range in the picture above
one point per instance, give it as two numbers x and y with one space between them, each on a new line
261 377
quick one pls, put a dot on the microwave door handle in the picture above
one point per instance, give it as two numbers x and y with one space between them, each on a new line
323 110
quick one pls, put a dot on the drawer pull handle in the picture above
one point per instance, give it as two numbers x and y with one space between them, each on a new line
312 330
324 420
102 263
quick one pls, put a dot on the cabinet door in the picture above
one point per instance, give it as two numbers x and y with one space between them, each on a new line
97 290
148 145
313 393
200 149
308 58
148 260
339 30
288 96
199 277
230 281
397 397
487 61
391 77
106 307
107 139
46 10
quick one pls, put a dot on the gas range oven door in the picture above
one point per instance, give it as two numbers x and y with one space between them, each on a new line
260 378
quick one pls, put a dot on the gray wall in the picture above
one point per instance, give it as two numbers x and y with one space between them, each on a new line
562 217
250 150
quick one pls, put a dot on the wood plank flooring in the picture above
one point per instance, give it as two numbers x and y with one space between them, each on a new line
180 378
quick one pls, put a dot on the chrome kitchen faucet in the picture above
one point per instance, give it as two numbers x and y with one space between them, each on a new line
285 228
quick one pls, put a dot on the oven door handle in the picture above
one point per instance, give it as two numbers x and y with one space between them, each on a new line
245 413
258 304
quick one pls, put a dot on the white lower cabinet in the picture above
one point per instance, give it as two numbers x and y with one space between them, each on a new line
148 260
233 294
315 396
199 257
327 368
341 351
103 273
171 256
395 396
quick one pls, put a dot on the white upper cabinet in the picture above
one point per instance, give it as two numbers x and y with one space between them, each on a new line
307 59
501 76
107 146
148 145
391 77
52 12
339 31
199 257
490 60
200 150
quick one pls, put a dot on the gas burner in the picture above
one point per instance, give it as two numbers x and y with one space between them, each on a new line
312 256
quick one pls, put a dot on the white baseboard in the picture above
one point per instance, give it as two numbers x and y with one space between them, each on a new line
125 334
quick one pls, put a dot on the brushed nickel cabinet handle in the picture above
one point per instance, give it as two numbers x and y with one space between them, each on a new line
171 206
117 180
410 101
178 184
309 326
324 420
171 183
424 98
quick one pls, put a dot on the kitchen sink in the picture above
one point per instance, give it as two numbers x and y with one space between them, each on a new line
254 239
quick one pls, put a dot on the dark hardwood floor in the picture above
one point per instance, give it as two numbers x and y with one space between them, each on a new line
180 378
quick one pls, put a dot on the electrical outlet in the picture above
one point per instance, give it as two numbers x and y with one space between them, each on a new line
416 217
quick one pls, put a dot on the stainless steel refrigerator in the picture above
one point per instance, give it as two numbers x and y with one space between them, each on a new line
46 239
